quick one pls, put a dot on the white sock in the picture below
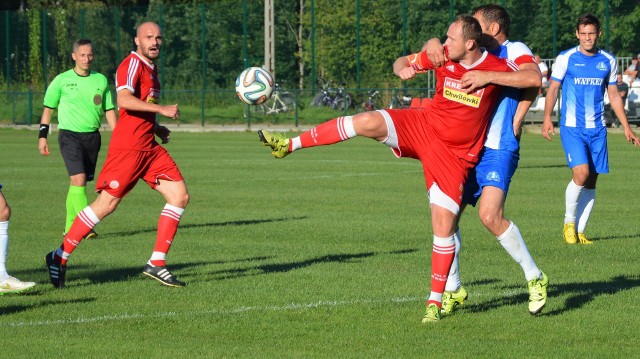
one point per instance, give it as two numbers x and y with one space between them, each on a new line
295 143
156 256
585 205
453 281
571 196
512 241
4 247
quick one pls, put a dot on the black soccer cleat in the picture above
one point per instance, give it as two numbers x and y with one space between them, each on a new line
57 271
162 275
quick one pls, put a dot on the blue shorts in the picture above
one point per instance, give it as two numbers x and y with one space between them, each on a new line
586 146
496 168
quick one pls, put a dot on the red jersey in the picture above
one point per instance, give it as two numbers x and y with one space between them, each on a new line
459 119
135 128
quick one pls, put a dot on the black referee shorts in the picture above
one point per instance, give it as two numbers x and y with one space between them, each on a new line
80 151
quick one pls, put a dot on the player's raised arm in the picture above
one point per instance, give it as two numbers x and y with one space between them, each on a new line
403 69
527 76
435 52
406 67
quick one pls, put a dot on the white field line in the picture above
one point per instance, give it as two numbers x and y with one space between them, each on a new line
229 311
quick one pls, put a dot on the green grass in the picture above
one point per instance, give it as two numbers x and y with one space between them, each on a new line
323 254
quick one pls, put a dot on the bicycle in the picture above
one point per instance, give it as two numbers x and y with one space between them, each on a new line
370 105
398 101
280 101
337 99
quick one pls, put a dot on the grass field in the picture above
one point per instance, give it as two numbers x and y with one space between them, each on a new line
324 254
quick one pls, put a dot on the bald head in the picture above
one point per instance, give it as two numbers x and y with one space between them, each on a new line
148 40
147 26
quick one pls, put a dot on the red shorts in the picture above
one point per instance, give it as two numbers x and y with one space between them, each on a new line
123 168
441 164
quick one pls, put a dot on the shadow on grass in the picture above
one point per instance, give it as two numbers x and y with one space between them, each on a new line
12 309
289 266
126 273
606 238
577 295
203 225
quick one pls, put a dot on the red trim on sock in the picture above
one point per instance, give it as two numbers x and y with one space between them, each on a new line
441 260
326 133
167 228
79 229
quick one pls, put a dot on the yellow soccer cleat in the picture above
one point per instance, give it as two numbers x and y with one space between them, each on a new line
451 300
583 239
569 233
278 143
538 294
433 314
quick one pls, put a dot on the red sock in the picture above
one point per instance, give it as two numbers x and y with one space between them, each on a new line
327 133
82 225
441 260
167 228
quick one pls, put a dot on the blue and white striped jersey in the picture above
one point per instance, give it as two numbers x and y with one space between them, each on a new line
584 80
500 135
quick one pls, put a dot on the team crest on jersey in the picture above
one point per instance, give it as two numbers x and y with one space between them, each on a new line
601 66
114 184
452 91
451 68
493 176
97 99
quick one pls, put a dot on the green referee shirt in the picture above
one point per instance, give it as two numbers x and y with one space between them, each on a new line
80 100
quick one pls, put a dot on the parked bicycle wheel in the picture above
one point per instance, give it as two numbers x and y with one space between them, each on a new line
341 103
319 99
288 104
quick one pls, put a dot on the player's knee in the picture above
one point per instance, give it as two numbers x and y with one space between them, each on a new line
179 199
370 124
580 176
490 218
184 200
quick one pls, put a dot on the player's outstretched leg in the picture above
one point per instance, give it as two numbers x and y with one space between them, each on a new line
372 125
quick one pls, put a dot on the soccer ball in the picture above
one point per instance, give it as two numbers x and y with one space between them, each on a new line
254 85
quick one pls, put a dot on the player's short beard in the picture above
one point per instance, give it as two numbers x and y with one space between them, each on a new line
147 53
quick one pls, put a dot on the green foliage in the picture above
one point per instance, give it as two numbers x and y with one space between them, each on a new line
35 45
205 41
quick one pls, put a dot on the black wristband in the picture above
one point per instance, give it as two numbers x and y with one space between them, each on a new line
44 131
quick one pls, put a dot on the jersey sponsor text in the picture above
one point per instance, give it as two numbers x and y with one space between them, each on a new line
587 81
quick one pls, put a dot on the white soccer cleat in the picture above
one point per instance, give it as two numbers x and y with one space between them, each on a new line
14 285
